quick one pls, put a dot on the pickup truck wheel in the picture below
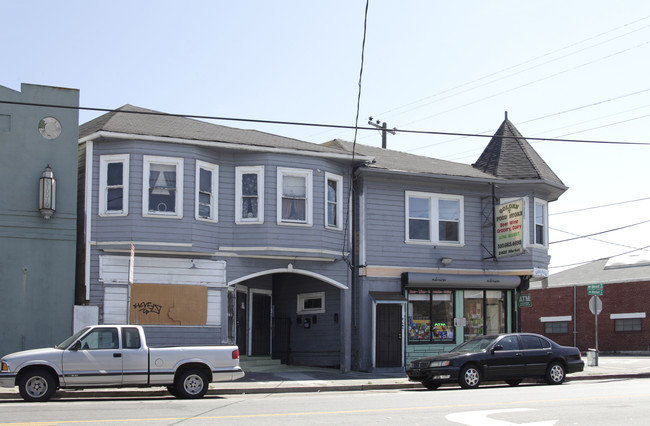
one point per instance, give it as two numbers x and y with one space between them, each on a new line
36 386
191 384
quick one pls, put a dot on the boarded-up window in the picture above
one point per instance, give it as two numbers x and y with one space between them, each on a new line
163 304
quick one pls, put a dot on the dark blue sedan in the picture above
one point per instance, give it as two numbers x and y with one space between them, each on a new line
507 357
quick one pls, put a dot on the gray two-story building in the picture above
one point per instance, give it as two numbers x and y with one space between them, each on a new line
313 254
435 264
206 234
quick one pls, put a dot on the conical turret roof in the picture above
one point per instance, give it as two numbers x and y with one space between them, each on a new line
510 156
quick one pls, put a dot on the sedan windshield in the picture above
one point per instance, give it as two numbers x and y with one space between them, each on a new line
475 345
67 342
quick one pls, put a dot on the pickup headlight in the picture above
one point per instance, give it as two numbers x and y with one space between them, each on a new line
438 363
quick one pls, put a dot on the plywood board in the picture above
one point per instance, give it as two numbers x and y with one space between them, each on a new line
163 304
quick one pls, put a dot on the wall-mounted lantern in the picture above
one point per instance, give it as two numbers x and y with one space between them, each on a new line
47 193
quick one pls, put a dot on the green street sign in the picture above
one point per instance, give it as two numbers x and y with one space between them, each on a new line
524 301
595 289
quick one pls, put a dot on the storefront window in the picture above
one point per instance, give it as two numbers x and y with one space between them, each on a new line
430 316
485 312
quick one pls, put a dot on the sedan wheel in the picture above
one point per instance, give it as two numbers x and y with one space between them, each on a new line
470 377
555 374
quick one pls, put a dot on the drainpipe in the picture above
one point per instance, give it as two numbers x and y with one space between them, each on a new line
575 318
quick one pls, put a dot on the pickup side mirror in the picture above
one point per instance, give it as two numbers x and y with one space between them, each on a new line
496 348
76 346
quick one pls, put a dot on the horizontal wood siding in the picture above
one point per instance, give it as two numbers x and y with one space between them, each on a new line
384 230
319 345
210 236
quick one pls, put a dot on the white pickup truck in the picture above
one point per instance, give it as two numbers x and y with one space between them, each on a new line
118 356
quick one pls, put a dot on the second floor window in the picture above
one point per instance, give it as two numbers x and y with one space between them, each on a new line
206 191
334 201
434 218
294 196
249 189
541 215
113 185
163 186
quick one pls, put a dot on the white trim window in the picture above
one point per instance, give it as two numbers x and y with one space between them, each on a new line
333 201
162 189
434 218
311 303
249 194
206 187
541 222
294 203
114 185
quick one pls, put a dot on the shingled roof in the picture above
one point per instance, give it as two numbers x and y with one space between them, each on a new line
134 120
388 159
510 156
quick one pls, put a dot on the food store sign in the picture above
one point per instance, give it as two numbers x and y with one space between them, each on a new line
509 228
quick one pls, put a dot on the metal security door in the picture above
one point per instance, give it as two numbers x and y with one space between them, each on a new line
242 324
261 325
389 335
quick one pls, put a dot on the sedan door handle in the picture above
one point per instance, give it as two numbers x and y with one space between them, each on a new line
117 355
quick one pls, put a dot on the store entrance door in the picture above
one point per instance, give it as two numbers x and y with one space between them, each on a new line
388 335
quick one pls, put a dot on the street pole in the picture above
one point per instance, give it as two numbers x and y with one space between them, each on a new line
383 128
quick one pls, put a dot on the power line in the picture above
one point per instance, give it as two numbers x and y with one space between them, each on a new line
598 207
596 260
577 236
296 123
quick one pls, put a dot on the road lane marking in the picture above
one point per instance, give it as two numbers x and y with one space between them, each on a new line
320 413
480 418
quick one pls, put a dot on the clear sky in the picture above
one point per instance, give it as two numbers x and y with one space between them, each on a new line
562 69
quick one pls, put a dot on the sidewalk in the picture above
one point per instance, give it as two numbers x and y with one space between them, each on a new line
307 379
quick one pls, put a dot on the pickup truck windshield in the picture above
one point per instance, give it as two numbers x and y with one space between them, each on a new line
67 342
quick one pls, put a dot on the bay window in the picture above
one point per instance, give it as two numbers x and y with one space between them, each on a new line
162 187
294 204
249 190
334 201
113 185
206 187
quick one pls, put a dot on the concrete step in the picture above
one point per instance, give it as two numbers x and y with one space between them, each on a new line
259 363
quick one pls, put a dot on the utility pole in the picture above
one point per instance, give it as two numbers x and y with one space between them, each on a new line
382 127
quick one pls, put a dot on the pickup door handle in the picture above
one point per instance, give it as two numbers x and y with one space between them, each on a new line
117 355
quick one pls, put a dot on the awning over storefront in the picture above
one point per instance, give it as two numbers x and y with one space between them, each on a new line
449 281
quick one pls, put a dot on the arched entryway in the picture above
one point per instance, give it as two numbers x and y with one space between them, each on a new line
289 314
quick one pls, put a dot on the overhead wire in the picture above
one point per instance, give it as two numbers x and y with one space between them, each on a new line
460 86
356 129
340 126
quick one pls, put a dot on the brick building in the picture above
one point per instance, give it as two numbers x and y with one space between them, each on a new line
560 308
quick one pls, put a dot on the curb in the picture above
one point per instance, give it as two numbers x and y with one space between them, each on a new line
146 392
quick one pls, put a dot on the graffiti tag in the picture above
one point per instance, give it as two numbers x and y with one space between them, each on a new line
147 308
